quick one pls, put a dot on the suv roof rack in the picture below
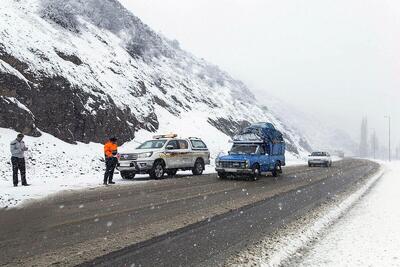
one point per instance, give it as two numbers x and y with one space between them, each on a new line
194 138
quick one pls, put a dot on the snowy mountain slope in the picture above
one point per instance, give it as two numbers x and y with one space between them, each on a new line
85 70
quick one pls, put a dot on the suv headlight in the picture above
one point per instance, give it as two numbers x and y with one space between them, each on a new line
217 163
145 155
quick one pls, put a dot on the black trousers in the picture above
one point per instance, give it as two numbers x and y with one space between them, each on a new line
18 164
111 163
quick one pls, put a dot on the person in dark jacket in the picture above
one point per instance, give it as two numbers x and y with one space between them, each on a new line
17 148
111 157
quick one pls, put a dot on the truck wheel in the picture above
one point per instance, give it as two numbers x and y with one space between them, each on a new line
309 165
172 172
222 175
277 170
198 167
157 172
256 173
128 175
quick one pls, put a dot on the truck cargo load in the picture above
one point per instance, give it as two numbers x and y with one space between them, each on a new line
259 132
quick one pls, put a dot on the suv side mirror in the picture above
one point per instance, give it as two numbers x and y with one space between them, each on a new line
170 147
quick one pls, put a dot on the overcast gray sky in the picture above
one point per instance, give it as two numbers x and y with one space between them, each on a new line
336 59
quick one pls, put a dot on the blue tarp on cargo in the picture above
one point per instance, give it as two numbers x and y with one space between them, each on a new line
259 132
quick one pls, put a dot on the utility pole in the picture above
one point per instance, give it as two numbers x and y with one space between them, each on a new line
364 138
390 158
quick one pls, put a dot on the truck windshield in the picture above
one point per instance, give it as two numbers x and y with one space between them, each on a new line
243 149
152 144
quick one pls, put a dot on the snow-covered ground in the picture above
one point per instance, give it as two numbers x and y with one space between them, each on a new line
327 230
369 235
54 166
357 228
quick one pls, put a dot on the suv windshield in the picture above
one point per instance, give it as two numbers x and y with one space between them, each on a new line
152 144
318 154
243 149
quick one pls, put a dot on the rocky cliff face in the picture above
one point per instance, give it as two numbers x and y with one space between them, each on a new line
55 106
86 70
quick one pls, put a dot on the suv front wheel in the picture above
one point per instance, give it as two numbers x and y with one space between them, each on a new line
158 170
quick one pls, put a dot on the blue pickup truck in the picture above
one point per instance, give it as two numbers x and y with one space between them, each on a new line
257 150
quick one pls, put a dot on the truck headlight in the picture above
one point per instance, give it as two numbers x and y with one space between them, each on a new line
247 164
145 155
217 163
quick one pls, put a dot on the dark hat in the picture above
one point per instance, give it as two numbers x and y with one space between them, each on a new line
20 135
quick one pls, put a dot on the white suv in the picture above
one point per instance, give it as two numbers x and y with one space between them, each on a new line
165 154
319 159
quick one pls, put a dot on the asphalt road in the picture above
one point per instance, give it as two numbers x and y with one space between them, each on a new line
180 221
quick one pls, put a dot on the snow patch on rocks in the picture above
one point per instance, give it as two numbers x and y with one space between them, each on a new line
6 68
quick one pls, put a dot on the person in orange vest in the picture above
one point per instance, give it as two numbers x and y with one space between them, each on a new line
111 157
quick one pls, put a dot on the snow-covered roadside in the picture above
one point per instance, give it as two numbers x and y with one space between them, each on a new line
54 166
288 245
369 235
291 244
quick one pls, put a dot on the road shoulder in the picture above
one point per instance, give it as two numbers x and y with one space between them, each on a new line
288 244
